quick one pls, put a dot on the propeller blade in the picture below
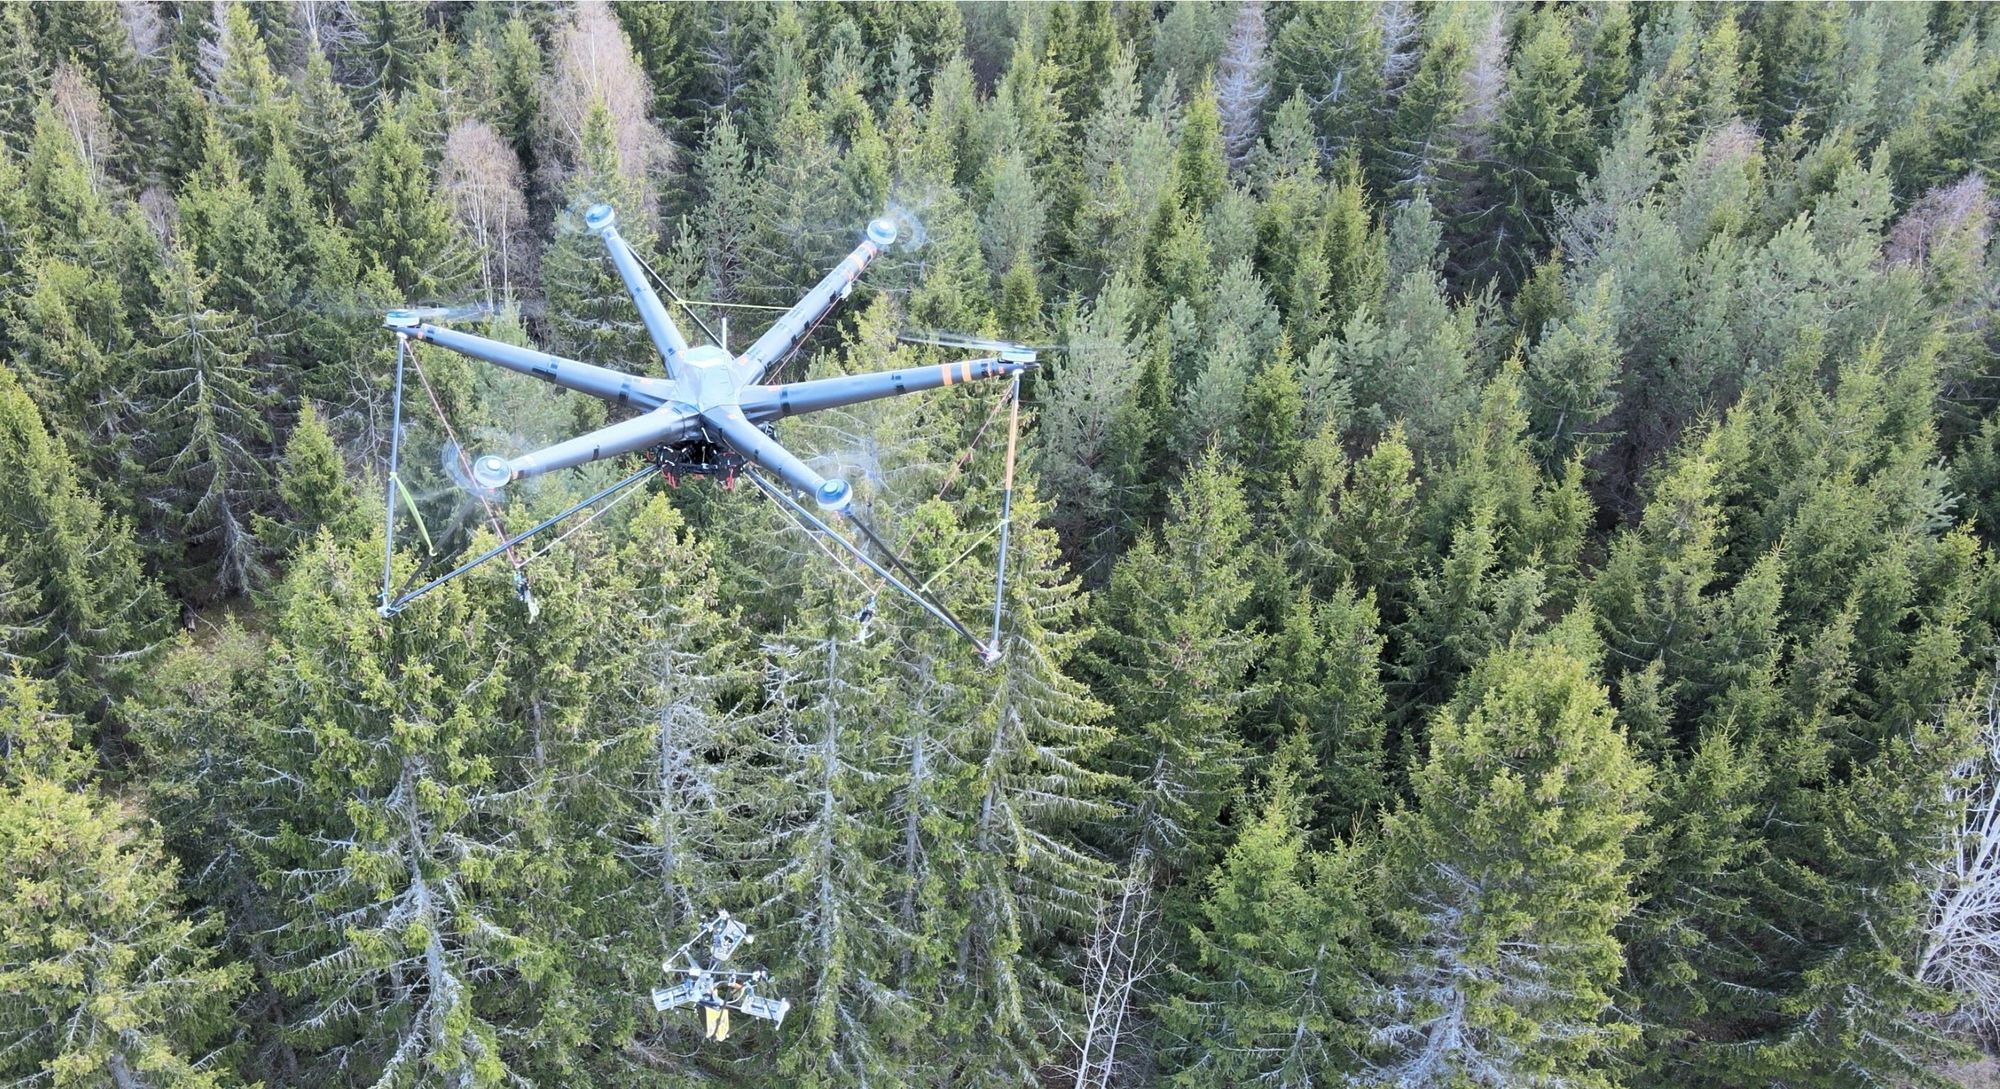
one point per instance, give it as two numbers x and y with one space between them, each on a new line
1005 349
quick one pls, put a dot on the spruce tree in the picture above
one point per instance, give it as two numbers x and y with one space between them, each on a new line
90 615
1173 652
1506 883
1542 137
402 824
594 317
329 131
399 218
1201 169
25 79
1270 996
253 102
1333 57
109 982
1423 137
207 439
313 488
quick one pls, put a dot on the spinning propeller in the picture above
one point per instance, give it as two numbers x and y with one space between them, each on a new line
1008 350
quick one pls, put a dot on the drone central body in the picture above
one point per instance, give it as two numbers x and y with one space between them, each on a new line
710 402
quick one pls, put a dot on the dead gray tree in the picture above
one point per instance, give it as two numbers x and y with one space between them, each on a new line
1241 83
1962 951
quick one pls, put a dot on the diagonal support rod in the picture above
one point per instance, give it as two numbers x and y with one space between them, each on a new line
809 519
390 609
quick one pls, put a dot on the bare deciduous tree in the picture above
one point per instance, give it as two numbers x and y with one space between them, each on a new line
482 178
82 110
1959 214
1962 954
1121 956
592 62
1485 81
143 26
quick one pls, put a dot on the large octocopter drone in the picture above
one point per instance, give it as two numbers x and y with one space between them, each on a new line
713 412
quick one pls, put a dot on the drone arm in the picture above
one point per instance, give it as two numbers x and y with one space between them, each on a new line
764 403
665 425
764 451
601 382
792 327
666 337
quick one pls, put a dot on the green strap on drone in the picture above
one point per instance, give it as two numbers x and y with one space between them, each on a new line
416 514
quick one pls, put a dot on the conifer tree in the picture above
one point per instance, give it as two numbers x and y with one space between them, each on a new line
1270 995
722 169
206 438
1506 883
385 55
1541 138
1091 388
1414 362
594 318
1423 137
1174 653
1568 377
25 79
407 855
252 101
228 235
87 615
1325 678
92 36
329 131
1201 168
828 750
400 219
792 243
109 983
73 353
1333 56
313 488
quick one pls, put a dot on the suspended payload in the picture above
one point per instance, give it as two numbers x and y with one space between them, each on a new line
713 988
712 414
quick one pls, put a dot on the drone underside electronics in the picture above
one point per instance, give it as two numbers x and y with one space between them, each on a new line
713 412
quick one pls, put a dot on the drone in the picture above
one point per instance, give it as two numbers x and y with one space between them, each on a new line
713 412
713 988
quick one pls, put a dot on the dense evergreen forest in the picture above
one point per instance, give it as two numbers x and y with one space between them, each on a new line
1503 580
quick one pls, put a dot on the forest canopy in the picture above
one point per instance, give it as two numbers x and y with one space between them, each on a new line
1502 580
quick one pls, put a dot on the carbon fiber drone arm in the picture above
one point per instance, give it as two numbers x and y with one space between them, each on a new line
660 426
764 451
614 386
764 403
666 336
792 326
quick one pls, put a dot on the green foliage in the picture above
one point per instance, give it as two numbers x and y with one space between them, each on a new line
1397 357
1507 881
399 218
1270 995
1173 653
108 982
84 614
